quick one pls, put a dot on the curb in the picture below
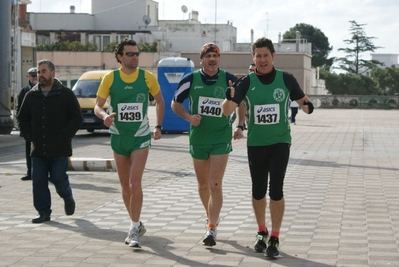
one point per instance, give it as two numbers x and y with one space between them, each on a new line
81 164
91 164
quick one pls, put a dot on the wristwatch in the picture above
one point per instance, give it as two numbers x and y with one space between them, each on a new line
241 127
159 127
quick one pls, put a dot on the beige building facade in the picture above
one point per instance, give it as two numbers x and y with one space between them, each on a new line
70 65
175 38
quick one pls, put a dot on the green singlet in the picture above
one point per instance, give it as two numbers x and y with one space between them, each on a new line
206 100
267 111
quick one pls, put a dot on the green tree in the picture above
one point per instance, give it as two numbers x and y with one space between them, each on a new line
387 79
66 46
110 47
320 45
360 43
146 47
349 84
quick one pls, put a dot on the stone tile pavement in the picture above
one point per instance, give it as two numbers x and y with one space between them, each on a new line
341 190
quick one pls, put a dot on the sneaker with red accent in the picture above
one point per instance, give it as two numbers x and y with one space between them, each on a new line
272 247
210 238
260 242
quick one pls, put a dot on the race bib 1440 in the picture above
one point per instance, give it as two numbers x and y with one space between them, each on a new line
209 106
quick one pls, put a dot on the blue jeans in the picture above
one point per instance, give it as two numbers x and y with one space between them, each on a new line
45 170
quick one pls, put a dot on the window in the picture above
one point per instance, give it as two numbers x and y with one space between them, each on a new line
101 40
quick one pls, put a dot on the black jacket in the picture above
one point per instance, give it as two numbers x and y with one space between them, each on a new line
21 96
51 121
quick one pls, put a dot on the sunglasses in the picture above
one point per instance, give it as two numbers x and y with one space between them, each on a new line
33 75
130 54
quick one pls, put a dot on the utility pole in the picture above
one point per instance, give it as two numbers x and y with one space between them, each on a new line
216 8
6 123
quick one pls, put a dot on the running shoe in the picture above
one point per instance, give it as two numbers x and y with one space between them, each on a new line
272 249
135 241
142 231
260 243
210 238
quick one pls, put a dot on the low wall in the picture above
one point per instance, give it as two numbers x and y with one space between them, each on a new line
355 101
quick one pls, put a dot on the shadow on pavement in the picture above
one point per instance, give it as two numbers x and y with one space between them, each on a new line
332 164
284 260
158 244
92 187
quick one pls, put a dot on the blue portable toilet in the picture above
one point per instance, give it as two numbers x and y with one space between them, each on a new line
170 72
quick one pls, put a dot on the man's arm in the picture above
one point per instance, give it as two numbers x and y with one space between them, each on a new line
100 112
306 104
155 92
24 117
228 105
160 107
296 92
160 112
241 114
238 131
180 111
20 99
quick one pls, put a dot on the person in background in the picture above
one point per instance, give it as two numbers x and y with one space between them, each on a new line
210 131
32 81
294 111
266 93
251 68
129 88
49 117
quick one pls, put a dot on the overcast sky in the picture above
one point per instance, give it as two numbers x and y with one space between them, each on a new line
269 18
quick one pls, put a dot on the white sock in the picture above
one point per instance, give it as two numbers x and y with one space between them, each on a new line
134 225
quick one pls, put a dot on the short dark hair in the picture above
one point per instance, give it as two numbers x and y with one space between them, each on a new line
119 47
47 62
263 42
251 67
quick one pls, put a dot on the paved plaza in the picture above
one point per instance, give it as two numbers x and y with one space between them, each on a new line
341 191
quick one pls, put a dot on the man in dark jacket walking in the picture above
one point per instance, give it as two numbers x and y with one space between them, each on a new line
49 117
32 77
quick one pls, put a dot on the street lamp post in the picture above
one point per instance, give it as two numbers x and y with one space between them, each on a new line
6 123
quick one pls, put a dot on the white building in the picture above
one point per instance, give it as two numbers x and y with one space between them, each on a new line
189 35
112 21
387 59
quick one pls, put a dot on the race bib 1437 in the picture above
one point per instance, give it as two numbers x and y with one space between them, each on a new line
267 114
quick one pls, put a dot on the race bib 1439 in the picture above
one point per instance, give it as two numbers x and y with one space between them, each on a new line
130 112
